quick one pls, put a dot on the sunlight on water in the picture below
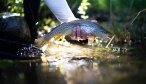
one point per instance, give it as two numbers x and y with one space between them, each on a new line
77 64
76 71
74 65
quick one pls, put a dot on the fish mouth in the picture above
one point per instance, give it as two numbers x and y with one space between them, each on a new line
102 36
105 36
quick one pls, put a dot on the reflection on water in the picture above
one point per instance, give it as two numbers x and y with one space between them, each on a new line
73 67
73 72
76 71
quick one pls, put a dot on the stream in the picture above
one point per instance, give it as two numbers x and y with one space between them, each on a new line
74 65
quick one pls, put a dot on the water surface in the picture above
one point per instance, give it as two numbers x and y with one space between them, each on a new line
68 67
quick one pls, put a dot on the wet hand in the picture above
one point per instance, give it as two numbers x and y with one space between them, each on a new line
78 34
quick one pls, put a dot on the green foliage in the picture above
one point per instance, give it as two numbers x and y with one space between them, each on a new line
13 6
138 26
121 13
83 8
116 29
3 5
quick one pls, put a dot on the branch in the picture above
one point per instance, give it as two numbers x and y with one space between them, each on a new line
137 15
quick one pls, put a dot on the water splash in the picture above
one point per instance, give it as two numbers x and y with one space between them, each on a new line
29 51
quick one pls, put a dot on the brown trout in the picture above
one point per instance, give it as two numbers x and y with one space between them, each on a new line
67 28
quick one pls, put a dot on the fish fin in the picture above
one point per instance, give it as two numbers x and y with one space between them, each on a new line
57 37
91 40
44 47
60 38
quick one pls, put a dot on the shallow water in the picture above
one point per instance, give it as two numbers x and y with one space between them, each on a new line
68 67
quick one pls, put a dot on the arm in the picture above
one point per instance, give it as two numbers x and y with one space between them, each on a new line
61 10
63 13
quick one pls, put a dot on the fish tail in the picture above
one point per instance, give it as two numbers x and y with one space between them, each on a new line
41 41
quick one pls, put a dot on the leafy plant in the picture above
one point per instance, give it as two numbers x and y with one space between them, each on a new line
83 8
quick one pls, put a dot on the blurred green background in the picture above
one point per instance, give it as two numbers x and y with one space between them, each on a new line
117 16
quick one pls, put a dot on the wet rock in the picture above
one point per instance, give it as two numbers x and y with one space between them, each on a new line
14 28
15 38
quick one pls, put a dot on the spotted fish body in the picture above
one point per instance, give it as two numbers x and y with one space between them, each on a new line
67 28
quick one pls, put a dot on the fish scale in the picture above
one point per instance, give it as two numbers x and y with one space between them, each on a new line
67 28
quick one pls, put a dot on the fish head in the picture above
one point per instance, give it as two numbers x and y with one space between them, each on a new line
101 35
101 32
104 34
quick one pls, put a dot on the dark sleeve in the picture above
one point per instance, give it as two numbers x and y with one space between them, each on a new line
31 9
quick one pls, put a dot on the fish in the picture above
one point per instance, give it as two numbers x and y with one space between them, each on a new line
67 28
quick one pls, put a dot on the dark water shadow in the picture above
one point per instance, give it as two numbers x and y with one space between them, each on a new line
75 71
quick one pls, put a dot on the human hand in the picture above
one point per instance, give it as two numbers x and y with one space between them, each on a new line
79 34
